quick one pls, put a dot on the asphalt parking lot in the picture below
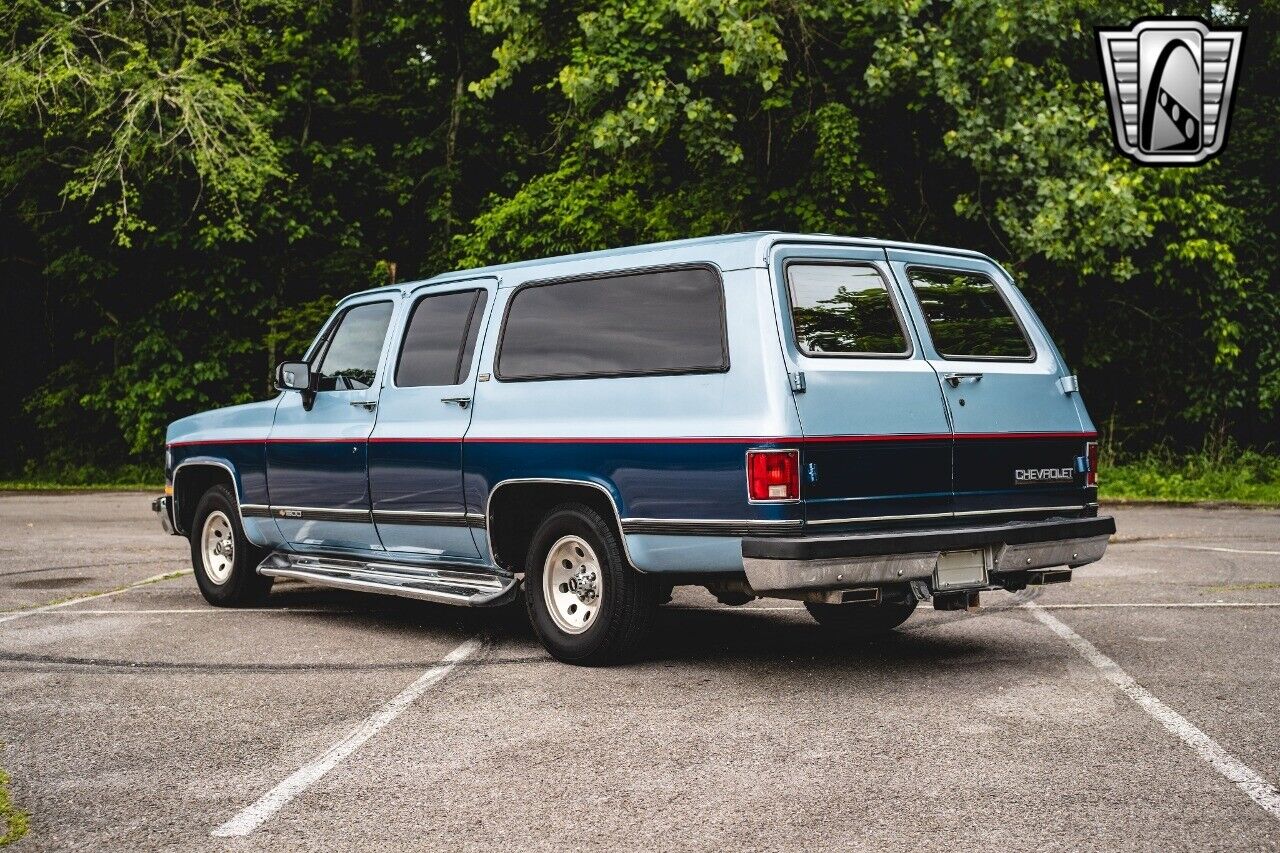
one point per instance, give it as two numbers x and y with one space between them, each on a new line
1135 708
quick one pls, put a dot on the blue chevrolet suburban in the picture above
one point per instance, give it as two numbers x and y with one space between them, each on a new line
859 425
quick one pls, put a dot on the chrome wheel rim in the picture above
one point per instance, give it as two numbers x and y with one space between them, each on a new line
217 547
572 584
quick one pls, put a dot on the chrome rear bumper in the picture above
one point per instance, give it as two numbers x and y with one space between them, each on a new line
840 562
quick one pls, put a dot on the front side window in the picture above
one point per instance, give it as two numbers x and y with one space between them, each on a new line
661 321
967 316
440 339
350 358
843 309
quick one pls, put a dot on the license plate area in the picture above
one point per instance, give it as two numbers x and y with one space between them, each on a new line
962 569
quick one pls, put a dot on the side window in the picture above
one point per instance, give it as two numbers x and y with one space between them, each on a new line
440 339
632 324
350 358
843 309
967 316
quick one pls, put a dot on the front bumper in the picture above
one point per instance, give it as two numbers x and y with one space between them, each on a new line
852 560
163 507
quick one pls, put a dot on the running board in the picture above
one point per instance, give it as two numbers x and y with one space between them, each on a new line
443 586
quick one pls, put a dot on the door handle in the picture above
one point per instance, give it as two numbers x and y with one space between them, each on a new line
460 402
954 379
367 405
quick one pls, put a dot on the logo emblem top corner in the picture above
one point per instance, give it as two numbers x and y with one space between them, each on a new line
1169 84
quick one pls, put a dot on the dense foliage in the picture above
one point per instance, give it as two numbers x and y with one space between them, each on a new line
186 186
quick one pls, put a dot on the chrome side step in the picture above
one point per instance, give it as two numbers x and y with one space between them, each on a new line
443 586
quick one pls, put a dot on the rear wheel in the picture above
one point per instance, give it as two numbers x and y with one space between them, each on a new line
225 562
862 620
586 603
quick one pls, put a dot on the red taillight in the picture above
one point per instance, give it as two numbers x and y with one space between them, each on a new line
1091 455
773 475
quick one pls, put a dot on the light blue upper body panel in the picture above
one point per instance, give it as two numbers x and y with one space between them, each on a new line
727 252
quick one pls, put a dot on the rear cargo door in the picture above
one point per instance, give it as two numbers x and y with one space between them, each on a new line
1019 436
877 445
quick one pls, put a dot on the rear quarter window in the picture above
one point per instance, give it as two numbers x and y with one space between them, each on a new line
967 315
629 324
844 309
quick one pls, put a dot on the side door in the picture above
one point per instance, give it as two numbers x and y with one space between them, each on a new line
317 453
1019 437
415 451
877 444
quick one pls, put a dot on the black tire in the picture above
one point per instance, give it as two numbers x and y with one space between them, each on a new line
625 609
862 620
241 585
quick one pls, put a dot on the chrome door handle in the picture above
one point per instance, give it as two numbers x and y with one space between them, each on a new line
954 379
460 402
367 405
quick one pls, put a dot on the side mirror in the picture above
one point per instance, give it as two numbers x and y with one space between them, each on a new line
294 376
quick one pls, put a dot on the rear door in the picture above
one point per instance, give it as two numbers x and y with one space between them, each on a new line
415 452
877 445
1019 436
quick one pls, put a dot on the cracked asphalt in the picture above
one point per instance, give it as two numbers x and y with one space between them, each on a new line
145 719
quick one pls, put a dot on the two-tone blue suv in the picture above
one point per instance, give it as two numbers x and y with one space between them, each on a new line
856 424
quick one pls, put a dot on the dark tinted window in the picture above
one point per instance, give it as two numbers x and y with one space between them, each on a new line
350 359
440 339
843 309
653 322
967 316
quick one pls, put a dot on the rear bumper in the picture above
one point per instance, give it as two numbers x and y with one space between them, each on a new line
163 507
837 562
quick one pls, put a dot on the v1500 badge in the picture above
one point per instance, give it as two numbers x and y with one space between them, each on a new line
1030 476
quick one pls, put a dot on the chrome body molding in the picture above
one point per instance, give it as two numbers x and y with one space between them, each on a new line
316 513
869 518
711 526
437 519
459 585
255 511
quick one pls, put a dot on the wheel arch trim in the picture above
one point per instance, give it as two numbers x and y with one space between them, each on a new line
205 462
557 481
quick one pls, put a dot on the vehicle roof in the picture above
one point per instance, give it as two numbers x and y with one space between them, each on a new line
727 251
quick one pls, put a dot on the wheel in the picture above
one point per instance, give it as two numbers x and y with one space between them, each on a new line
587 604
862 620
225 562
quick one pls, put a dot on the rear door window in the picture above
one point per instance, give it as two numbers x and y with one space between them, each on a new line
629 324
350 359
440 338
844 310
967 315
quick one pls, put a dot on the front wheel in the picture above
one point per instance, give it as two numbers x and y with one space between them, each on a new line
862 620
225 561
586 603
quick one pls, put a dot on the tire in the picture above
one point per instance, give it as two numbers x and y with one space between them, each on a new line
862 620
224 582
595 610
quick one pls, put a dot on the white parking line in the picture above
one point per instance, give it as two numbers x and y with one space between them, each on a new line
271 802
204 611
19 614
1226 550
1254 786
1171 605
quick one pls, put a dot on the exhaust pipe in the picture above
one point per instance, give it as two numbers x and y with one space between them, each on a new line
1040 577
861 595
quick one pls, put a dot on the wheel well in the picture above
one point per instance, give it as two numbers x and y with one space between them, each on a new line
190 484
516 510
